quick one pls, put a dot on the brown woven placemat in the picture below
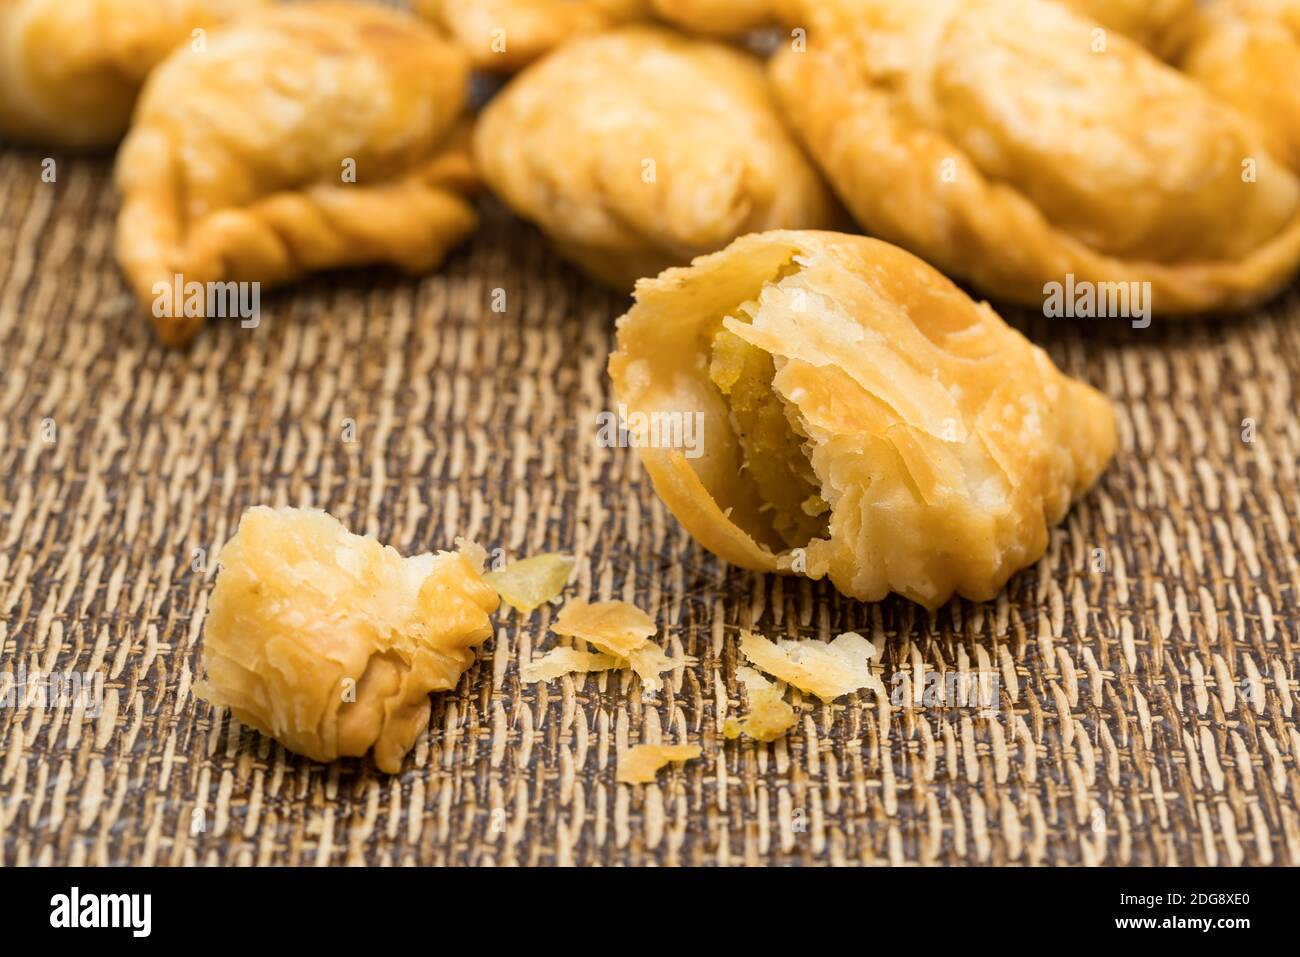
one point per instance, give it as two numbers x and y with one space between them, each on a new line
1147 708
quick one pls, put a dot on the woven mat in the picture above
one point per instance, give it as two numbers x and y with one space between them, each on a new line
1146 667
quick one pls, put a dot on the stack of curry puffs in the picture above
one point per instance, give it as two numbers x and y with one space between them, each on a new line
873 424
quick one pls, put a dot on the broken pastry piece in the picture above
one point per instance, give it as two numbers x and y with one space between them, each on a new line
1248 53
502 36
566 661
638 149
927 447
828 670
620 630
306 137
952 129
70 70
639 764
529 583
330 642
770 715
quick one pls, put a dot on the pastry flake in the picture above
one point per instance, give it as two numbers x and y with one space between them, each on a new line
828 670
638 149
639 764
330 642
527 584
954 130
1248 53
502 36
566 661
70 70
941 442
769 716
618 629
306 137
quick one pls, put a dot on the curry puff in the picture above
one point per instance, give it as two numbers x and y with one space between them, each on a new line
306 137
70 70
863 419
1159 25
990 138
1248 52
330 642
502 36
638 149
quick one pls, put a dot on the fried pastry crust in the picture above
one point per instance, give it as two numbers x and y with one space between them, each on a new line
330 642
1159 25
304 138
502 36
1248 52
638 149
945 443
70 70
989 138
727 18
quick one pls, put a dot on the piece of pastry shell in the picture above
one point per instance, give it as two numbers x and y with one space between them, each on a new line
306 137
70 70
990 138
878 426
638 149
1248 53
502 36
330 642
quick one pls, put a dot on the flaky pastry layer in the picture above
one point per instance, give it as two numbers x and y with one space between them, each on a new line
945 444
638 149
308 137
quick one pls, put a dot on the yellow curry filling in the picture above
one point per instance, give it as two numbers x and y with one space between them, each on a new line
772 446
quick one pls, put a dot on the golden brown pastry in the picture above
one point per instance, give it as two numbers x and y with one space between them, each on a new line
987 137
70 69
502 36
727 18
1159 25
330 642
638 149
1248 52
863 419
306 137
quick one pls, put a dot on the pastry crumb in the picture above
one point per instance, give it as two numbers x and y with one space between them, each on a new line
527 584
770 716
639 764
828 670
620 629
565 661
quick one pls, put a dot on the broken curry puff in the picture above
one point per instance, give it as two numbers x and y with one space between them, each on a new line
953 130
330 642
863 418
638 149
70 70
306 137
